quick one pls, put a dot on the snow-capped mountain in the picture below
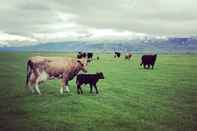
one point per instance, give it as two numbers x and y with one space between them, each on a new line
137 45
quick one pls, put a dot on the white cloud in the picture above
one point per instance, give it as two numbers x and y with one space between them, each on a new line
15 40
108 33
10 37
57 36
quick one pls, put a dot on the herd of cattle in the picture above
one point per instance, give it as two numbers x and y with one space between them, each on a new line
40 69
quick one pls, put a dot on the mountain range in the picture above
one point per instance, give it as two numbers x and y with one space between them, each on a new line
168 45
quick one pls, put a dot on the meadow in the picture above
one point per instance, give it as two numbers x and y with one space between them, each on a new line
130 98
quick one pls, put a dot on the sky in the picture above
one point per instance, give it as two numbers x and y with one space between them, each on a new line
26 22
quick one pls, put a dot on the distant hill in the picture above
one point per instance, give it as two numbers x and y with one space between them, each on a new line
170 45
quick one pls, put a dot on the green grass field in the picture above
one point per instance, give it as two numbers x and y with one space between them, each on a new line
130 99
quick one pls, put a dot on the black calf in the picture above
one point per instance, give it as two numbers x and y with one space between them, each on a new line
90 79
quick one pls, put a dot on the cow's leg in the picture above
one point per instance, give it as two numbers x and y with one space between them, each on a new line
61 90
78 89
66 88
36 83
31 83
81 90
96 89
65 83
31 89
90 88
40 77
148 66
78 86
37 89
62 87
144 66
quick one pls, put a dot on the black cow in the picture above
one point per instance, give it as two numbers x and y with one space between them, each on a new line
117 54
81 55
89 55
148 60
90 79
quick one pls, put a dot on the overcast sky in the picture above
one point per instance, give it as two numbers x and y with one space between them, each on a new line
32 21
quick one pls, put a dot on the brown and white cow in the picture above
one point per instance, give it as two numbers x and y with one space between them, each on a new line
128 56
40 69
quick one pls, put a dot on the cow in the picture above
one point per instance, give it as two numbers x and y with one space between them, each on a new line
40 69
117 54
89 55
148 60
81 55
90 79
128 56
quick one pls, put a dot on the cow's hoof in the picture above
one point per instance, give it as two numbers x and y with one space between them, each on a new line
66 91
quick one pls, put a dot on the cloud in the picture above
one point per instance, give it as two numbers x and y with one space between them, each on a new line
50 20
15 40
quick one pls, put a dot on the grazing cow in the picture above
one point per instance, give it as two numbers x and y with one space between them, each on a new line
90 79
117 54
128 56
89 55
148 60
40 69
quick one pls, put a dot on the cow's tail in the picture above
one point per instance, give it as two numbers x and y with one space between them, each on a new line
29 71
142 59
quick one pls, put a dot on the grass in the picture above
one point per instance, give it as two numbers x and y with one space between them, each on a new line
130 99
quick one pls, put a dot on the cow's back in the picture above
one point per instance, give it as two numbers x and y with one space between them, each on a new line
86 78
149 59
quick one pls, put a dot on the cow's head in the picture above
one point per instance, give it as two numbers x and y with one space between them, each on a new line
100 75
83 64
155 56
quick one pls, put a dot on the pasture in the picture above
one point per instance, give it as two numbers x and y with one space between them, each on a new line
130 99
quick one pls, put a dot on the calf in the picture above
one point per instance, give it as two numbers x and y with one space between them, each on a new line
90 79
